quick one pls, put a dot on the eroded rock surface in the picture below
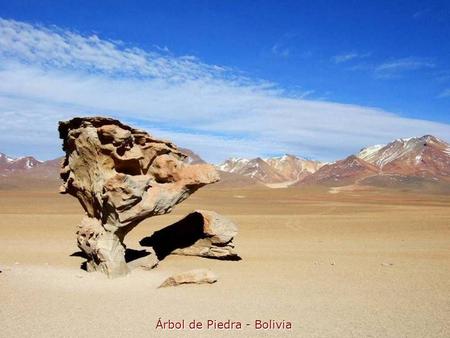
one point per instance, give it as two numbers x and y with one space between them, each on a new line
216 240
201 233
121 176
197 276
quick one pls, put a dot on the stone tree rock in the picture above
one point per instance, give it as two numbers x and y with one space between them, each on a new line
121 176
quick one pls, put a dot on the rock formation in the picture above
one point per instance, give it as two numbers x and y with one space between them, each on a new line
197 276
216 240
201 233
121 176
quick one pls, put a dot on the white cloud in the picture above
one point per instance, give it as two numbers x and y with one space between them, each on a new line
47 74
395 68
346 57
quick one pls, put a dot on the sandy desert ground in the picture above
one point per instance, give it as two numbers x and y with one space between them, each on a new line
347 264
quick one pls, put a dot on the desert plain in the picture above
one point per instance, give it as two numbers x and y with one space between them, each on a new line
339 263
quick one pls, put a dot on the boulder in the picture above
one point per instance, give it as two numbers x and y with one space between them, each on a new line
121 175
197 276
216 240
201 233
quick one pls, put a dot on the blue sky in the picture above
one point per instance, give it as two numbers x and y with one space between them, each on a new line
319 79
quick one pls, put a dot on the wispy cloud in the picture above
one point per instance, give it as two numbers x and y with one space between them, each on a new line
306 93
445 93
395 68
280 50
442 75
421 13
55 48
346 57
48 74
287 46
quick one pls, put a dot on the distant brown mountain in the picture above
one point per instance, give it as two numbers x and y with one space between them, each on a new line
9 164
343 172
226 179
425 156
28 172
5 160
420 162
260 170
231 180
293 168
285 169
192 158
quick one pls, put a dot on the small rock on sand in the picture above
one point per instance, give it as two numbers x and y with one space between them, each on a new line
197 276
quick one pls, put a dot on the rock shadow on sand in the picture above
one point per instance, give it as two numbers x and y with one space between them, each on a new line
179 235
130 256
201 233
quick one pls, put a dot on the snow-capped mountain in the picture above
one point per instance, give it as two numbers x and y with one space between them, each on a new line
292 167
233 165
5 159
368 154
419 156
9 164
416 160
287 168
260 170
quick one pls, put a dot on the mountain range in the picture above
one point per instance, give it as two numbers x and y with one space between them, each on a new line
419 162
275 171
